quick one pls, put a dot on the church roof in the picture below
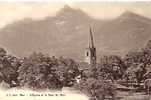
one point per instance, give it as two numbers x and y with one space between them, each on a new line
91 42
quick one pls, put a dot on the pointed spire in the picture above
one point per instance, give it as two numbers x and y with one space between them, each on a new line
91 44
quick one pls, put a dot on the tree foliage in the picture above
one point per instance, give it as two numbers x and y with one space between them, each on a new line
40 71
111 67
97 89
8 68
138 63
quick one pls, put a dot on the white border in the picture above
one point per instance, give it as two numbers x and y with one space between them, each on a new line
68 1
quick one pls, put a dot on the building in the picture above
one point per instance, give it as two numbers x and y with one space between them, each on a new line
90 53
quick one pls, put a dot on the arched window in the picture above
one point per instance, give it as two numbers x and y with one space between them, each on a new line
87 53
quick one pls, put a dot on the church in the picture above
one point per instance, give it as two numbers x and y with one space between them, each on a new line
90 58
90 53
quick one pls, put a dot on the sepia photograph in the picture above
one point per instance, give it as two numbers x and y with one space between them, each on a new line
75 51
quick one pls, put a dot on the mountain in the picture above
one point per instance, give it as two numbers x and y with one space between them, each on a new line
66 34
127 32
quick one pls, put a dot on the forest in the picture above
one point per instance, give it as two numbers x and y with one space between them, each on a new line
40 71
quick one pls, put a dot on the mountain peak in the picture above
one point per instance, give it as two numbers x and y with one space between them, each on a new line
129 14
69 12
67 8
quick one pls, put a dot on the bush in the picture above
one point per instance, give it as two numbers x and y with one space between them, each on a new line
40 71
96 89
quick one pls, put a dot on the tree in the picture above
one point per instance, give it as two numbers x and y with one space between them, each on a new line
137 63
112 67
67 70
38 71
97 89
2 52
8 68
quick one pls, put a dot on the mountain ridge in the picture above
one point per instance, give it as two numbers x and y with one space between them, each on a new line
66 34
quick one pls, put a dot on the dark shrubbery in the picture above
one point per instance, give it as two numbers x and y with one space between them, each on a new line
39 71
97 89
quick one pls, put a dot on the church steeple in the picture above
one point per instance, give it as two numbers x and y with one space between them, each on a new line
90 55
91 44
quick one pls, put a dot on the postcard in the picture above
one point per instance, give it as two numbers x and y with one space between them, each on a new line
75 51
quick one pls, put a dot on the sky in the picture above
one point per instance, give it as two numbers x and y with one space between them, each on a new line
10 12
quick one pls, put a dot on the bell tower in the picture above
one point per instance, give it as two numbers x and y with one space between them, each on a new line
90 53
